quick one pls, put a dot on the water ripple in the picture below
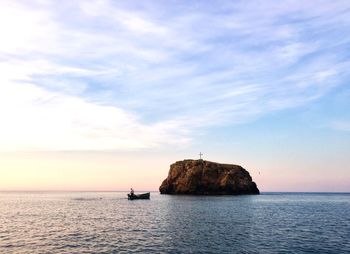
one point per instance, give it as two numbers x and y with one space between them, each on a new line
109 223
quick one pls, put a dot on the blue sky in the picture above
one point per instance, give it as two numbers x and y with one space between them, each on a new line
130 76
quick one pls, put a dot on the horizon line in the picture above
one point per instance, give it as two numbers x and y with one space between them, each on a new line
261 192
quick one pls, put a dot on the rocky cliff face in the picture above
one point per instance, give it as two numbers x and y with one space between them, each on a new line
207 178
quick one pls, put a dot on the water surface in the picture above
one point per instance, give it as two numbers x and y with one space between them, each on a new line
106 222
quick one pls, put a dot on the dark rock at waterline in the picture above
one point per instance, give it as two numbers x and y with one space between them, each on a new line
200 177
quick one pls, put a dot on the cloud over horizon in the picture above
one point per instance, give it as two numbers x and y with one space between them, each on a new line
103 75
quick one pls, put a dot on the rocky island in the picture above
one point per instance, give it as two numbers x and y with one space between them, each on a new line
200 177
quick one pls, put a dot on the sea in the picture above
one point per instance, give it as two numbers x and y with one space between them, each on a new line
106 222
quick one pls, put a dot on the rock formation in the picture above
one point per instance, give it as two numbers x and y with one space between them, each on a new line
202 177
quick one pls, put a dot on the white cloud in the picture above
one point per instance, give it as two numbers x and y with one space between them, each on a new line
35 119
341 125
73 72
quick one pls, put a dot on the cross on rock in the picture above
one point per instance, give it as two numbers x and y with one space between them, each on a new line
200 155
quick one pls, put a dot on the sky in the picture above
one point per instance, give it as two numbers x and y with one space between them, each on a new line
105 95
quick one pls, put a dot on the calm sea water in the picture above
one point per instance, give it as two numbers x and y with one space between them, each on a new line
106 222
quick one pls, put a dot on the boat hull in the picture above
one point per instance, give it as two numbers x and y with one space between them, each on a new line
139 196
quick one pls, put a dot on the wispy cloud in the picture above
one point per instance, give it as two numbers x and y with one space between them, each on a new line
341 125
35 119
128 75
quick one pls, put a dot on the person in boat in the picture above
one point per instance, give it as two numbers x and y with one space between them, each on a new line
132 192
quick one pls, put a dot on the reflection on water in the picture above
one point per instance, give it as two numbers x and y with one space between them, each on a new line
107 222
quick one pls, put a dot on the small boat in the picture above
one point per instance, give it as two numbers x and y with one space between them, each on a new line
139 196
